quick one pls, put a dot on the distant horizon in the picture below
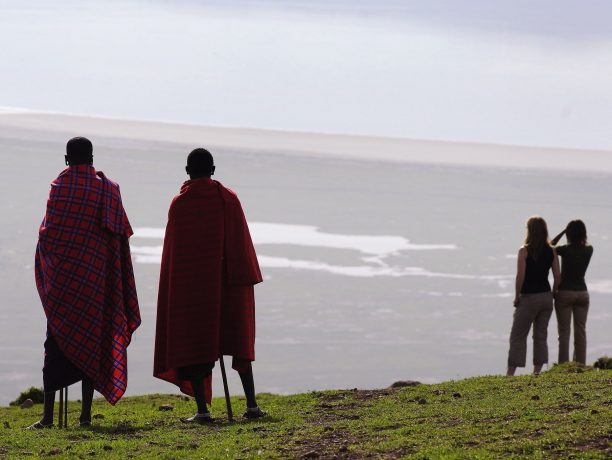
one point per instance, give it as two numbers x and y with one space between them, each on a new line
4 110
514 73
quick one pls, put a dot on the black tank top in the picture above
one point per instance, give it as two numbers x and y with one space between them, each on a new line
536 274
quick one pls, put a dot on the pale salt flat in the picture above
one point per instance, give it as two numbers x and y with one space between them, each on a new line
309 235
377 247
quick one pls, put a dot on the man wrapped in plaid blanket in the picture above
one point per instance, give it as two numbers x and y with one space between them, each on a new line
86 284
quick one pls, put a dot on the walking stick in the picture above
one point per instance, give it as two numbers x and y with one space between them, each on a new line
228 403
63 408
66 409
60 417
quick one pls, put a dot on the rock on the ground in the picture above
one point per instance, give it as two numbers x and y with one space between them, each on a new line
27 404
166 408
405 383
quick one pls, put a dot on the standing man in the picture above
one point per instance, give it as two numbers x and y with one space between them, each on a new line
206 302
86 284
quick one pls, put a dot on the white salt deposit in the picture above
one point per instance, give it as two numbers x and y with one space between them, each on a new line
374 248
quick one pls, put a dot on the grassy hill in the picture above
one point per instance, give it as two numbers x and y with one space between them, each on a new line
565 412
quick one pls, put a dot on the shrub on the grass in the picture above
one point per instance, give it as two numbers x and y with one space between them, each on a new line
571 367
35 394
604 362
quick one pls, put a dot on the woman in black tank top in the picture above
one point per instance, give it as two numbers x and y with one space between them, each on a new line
533 297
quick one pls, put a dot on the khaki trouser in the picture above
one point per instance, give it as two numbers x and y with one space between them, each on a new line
570 303
533 309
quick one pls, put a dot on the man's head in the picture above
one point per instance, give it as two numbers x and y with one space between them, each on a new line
200 163
79 151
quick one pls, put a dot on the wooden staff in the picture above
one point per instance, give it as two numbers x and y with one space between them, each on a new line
228 403
60 420
63 408
66 408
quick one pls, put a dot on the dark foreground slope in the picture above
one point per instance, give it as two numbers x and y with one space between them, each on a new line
563 413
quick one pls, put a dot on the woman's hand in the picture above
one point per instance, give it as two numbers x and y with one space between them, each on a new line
515 302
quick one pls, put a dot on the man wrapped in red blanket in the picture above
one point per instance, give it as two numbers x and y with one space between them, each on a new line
86 284
206 303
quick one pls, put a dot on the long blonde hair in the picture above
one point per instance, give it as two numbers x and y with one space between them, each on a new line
537 236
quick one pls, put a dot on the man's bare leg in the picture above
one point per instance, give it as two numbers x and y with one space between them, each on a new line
200 395
248 385
47 420
87 391
49 406
203 416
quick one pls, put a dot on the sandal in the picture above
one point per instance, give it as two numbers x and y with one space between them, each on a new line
39 426
202 419
253 413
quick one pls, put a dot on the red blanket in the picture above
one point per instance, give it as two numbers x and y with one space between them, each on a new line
206 305
85 279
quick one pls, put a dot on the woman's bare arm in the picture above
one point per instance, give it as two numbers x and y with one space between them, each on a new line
521 265
556 239
556 269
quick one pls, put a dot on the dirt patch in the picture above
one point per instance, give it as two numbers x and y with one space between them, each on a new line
338 406
601 444
333 443
355 394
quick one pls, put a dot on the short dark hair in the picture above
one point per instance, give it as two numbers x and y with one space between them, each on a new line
79 150
576 232
200 162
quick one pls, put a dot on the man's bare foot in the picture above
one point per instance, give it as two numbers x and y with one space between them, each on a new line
202 419
254 412
40 425
511 370
84 421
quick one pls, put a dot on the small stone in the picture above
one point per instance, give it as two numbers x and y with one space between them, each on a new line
535 398
7 425
107 448
55 451
421 401
98 417
343 449
166 408
438 392
594 411
456 395
576 394
405 383
27 404
311 454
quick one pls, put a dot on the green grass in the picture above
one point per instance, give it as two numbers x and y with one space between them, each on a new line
564 413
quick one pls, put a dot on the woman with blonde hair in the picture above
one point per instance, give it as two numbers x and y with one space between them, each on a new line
533 297
572 300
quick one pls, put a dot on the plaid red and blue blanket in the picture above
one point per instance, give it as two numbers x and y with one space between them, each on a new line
85 278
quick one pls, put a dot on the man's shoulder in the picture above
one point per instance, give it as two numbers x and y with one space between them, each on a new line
228 193
107 179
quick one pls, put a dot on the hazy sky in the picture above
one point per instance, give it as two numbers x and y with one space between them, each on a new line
517 72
